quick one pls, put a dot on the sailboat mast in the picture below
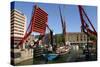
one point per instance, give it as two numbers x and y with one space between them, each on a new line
63 27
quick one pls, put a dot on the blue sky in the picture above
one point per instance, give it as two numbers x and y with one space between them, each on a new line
69 12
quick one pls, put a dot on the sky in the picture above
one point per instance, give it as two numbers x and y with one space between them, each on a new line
69 12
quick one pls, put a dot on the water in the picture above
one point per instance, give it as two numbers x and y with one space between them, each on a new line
75 55
50 57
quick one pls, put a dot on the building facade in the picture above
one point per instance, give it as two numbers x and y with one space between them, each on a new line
78 38
18 29
18 26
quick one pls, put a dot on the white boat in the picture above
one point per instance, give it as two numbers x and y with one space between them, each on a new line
64 49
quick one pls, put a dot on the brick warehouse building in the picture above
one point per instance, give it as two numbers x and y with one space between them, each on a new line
79 38
76 37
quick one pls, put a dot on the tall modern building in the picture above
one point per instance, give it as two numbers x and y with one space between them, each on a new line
18 26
